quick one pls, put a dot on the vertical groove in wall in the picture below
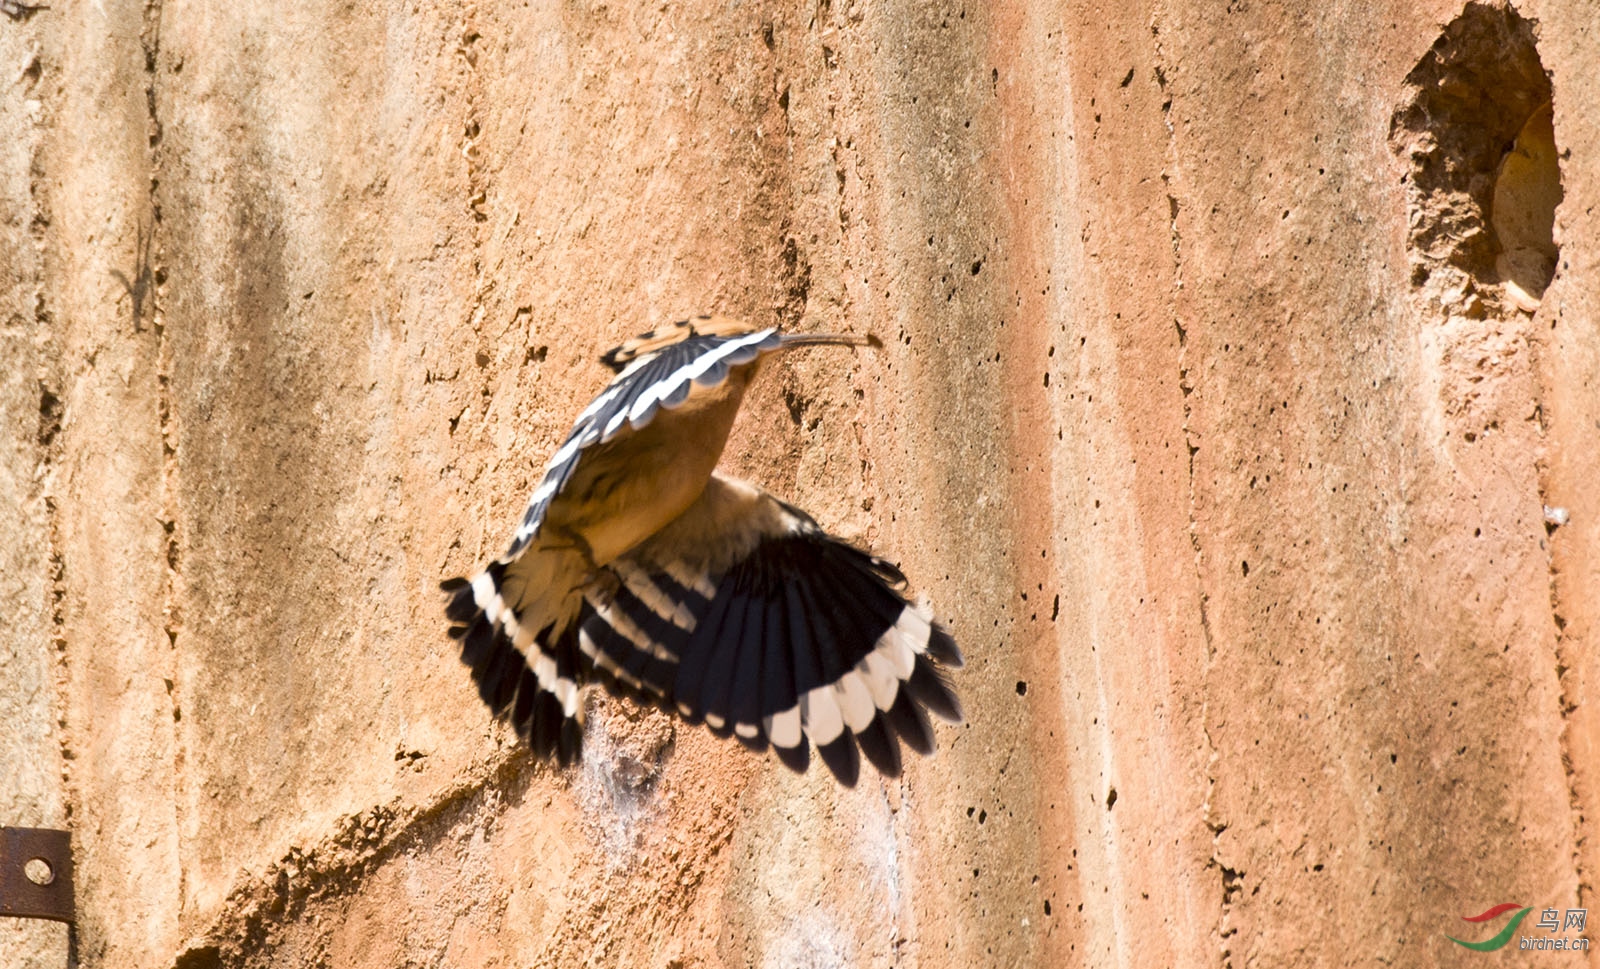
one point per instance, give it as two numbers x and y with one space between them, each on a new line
1484 184
469 49
145 291
1569 659
51 413
1186 385
1572 662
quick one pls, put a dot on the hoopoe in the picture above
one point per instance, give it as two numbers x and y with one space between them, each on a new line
638 566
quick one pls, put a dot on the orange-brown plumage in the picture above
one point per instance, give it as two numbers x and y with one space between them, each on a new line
637 566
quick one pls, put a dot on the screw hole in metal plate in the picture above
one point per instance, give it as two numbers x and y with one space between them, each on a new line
39 871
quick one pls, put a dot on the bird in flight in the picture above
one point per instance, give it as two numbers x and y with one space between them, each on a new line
640 567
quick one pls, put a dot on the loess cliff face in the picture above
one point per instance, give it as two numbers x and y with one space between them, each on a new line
1239 410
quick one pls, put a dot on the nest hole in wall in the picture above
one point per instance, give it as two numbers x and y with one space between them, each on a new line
1477 131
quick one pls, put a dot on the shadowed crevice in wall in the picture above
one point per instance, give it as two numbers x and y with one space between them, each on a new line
1230 878
1483 180
265 909
1477 132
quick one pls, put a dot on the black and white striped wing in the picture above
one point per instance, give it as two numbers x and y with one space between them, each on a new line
532 683
662 379
803 641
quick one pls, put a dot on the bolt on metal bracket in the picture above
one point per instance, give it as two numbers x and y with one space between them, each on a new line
36 874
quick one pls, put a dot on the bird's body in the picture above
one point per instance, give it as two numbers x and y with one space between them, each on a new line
639 567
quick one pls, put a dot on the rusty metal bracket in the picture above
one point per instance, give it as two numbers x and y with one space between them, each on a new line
36 874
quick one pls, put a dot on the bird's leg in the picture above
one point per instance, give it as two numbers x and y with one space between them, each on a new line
572 539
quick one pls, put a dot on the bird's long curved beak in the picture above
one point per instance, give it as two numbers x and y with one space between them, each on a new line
828 339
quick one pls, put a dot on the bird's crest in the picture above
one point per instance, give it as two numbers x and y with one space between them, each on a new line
645 344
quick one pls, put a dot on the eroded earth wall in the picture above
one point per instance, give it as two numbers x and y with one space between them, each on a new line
1239 409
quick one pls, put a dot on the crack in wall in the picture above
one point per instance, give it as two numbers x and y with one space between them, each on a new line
477 178
1569 702
148 282
262 906
147 287
1231 877
60 807
1567 652
52 416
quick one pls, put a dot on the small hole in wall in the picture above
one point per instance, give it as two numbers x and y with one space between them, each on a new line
1477 133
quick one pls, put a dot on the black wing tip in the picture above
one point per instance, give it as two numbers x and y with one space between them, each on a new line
539 721
496 667
942 647
453 584
930 687
911 723
796 758
842 758
569 748
888 571
720 685
879 746
477 642
507 684
462 609
542 727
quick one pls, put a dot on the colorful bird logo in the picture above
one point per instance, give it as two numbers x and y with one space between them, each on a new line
1500 938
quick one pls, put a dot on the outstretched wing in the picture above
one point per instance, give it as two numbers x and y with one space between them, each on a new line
789 638
520 673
